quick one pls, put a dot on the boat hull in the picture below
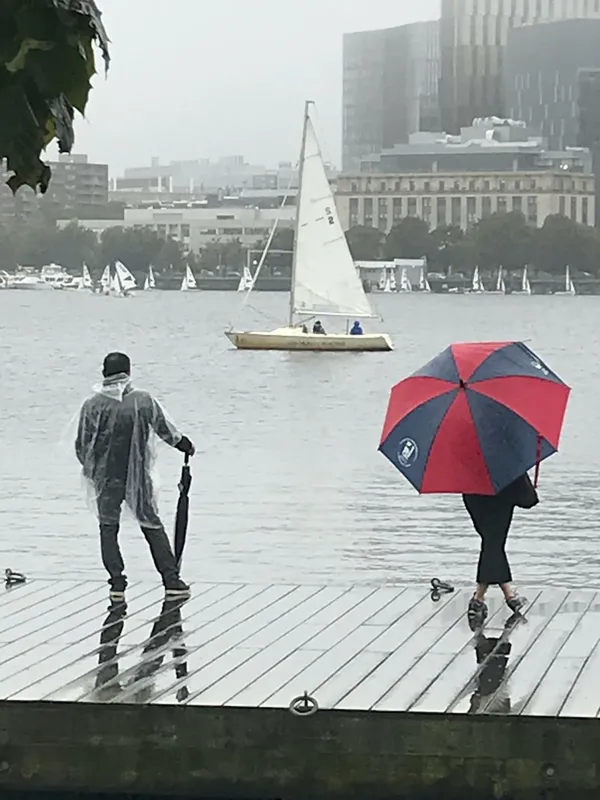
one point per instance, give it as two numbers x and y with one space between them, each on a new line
294 339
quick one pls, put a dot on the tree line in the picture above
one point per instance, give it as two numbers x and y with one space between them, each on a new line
499 240
36 242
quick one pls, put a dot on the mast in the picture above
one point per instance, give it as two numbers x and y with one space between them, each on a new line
307 106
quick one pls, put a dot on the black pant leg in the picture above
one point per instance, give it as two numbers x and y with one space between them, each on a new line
109 500
493 567
158 541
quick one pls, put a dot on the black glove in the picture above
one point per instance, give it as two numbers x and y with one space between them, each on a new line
185 446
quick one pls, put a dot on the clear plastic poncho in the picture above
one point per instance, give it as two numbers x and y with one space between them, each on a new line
115 445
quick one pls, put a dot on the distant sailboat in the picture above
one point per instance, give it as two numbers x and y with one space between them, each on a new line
150 282
500 284
477 284
423 282
105 280
569 285
126 279
189 281
86 279
325 282
246 280
393 284
405 284
525 283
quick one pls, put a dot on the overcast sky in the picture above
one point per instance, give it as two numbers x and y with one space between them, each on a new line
204 78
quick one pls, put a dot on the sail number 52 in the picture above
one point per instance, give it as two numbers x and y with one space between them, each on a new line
329 215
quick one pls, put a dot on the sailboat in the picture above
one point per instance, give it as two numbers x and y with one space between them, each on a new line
106 280
423 282
525 283
126 281
325 282
500 284
405 284
569 285
387 281
477 286
189 281
246 280
150 282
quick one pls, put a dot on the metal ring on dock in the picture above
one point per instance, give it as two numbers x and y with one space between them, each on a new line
439 587
304 705
13 578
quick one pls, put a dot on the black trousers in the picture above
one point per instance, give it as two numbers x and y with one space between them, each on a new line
110 501
492 520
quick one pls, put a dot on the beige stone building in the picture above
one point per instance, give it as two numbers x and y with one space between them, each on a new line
382 200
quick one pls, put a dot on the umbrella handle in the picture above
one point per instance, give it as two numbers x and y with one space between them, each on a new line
538 458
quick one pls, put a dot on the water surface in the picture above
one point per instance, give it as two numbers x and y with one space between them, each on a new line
288 483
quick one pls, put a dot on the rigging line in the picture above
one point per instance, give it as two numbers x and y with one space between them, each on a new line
267 245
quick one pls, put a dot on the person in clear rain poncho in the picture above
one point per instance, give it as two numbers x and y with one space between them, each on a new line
114 445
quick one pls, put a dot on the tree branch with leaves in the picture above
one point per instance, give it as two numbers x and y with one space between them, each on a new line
47 61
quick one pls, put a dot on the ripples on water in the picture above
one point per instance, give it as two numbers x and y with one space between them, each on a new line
288 484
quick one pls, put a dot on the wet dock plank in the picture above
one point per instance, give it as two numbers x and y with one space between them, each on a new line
352 648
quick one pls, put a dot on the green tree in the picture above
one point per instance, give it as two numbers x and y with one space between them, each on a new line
137 248
73 246
46 63
450 248
408 239
365 242
503 240
561 241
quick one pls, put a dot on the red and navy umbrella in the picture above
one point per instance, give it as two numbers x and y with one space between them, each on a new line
474 419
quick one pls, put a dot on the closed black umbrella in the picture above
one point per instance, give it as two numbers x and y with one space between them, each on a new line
183 510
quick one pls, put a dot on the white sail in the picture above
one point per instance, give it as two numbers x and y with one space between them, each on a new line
325 281
393 284
405 284
150 282
245 281
569 285
500 286
382 280
477 284
116 285
423 282
105 280
189 280
525 284
126 279
86 278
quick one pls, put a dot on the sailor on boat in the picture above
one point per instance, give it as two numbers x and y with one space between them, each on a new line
356 329
318 328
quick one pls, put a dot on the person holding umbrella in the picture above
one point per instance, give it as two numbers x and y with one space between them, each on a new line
114 445
492 517
474 421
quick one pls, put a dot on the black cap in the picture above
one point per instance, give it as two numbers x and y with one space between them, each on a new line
115 363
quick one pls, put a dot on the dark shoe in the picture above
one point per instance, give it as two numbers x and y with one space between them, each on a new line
178 589
476 614
517 604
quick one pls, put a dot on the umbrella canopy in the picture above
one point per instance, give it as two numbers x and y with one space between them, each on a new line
474 419
183 510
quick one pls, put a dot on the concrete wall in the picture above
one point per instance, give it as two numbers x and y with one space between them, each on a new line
268 753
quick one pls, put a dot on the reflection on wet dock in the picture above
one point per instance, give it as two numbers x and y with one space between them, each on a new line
351 648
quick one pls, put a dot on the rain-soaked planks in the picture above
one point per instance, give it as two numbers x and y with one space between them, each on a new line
353 648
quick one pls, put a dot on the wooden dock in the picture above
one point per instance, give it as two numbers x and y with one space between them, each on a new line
409 700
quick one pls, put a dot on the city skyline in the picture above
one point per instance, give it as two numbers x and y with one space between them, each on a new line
192 86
